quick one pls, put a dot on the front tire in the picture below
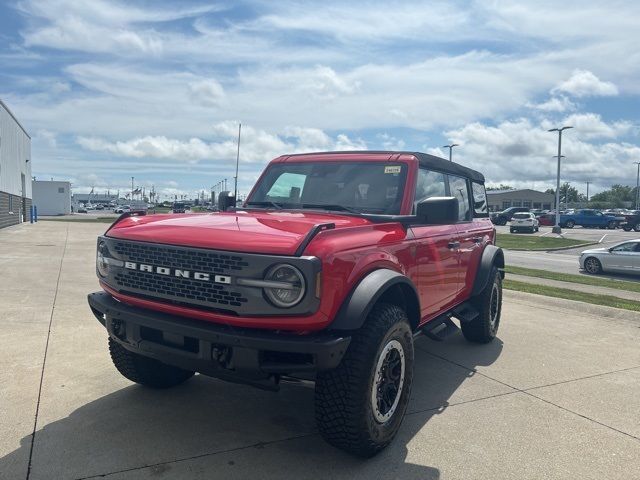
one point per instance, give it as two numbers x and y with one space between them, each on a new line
361 403
592 265
144 370
484 327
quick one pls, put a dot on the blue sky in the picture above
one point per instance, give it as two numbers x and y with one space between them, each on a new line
155 90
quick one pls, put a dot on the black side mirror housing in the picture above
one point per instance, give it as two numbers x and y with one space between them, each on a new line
225 201
437 210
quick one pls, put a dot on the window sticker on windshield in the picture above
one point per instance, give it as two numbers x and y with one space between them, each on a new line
392 169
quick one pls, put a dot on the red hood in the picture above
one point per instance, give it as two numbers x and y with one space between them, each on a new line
269 232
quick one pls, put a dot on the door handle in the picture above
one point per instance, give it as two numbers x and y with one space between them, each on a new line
453 245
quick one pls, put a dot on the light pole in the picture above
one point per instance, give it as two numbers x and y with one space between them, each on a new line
588 193
450 147
638 186
556 228
132 189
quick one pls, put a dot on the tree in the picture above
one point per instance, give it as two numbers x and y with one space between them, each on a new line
567 193
616 196
500 187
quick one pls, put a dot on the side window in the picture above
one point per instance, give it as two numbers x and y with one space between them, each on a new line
625 247
458 189
479 200
430 184
288 185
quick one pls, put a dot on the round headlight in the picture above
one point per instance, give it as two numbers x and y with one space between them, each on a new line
292 286
101 259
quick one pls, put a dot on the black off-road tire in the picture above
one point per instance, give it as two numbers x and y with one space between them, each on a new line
484 327
144 370
627 228
344 396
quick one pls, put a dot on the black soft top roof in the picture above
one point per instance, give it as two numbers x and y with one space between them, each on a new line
427 161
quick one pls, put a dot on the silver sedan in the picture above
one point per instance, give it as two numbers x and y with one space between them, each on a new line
621 258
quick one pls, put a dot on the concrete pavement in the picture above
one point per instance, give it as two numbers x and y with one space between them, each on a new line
556 396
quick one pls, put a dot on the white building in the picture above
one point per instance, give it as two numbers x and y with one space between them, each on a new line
52 198
15 169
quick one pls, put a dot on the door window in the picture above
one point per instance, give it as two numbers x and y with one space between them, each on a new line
458 189
626 247
479 200
430 184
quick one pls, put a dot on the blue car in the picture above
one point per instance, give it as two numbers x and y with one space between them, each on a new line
589 219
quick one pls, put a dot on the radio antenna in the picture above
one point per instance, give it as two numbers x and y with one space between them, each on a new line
235 194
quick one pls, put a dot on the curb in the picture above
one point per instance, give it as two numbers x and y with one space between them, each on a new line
556 249
619 314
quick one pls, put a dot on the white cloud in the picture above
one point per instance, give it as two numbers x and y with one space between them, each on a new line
390 142
554 104
208 93
583 83
591 126
519 152
257 146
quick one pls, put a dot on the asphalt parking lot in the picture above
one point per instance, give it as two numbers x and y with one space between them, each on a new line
556 396
566 261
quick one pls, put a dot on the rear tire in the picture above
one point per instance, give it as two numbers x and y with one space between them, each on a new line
484 327
592 265
628 229
144 370
361 403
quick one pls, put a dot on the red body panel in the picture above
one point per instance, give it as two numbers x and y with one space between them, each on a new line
443 276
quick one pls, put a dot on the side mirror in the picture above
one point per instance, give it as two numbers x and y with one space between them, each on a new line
225 201
437 210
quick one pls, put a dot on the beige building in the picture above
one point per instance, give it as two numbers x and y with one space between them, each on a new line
498 200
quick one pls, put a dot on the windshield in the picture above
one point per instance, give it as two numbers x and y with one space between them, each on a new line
361 187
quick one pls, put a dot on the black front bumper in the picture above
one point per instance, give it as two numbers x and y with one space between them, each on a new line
230 353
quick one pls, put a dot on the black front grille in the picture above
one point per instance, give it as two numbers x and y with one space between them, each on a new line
166 256
183 290
180 288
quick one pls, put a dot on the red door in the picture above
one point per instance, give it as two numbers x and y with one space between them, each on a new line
437 258
473 236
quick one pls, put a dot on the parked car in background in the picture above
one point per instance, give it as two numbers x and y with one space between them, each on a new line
122 209
179 208
80 208
621 258
524 222
588 218
99 207
501 218
631 221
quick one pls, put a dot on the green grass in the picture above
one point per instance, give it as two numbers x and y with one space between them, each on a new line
80 220
604 300
530 242
582 279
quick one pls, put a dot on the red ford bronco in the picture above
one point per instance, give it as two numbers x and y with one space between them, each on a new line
327 273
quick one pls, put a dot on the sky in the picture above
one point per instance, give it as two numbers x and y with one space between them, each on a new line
152 89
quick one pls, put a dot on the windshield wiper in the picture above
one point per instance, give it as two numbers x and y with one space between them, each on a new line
341 208
275 205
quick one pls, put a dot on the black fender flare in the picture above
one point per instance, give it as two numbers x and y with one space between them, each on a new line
358 304
491 256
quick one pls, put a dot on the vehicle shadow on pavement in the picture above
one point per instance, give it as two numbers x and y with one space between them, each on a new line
210 429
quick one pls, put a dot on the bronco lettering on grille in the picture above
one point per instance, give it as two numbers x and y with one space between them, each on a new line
176 272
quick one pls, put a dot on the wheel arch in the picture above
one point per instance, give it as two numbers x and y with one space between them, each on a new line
491 256
380 286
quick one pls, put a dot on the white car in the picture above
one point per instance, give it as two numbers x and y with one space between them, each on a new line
621 258
122 209
524 221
